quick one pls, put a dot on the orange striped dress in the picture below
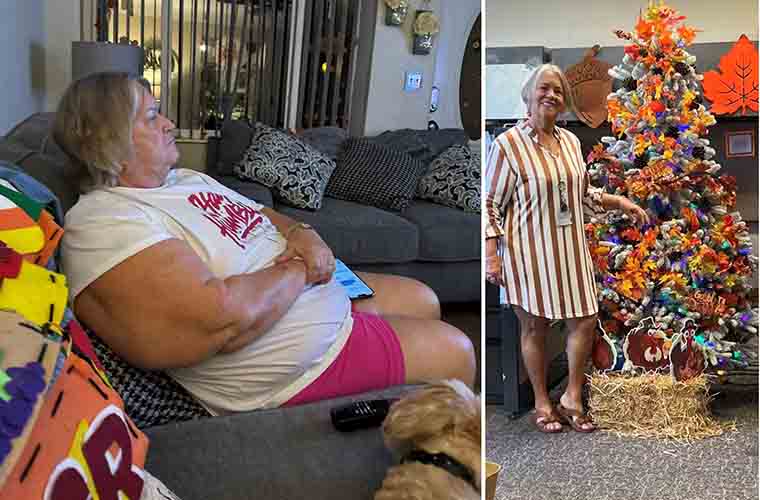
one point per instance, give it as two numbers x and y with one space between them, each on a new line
547 265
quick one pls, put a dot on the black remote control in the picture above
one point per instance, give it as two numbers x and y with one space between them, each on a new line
360 415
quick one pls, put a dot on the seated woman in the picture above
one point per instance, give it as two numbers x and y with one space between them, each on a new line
234 300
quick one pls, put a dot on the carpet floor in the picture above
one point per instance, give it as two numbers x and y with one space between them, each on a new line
602 466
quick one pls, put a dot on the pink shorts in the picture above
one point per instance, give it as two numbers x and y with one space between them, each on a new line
371 359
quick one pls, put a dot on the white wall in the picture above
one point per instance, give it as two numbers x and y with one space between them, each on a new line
22 79
457 17
563 23
388 106
62 26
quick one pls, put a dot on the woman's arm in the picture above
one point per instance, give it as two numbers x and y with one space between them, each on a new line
615 202
163 308
306 244
500 183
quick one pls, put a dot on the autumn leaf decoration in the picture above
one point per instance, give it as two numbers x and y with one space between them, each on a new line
735 86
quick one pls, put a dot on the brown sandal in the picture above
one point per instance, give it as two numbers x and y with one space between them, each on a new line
575 419
542 419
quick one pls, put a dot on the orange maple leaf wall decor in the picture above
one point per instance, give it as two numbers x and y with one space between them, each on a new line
736 85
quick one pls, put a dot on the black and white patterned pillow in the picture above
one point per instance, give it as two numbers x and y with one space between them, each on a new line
150 397
375 175
296 172
453 179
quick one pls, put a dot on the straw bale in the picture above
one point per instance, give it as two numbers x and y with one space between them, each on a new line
654 406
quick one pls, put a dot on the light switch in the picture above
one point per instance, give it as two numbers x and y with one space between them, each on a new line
412 81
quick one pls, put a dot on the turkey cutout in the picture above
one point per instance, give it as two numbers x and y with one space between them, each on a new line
604 354
644 347
686 358
591 84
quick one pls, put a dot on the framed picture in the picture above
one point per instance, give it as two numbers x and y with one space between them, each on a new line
740 144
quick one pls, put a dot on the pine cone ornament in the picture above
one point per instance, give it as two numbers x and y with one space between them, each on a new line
682 68
641 161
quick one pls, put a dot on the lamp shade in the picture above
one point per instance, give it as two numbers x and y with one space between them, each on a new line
97 57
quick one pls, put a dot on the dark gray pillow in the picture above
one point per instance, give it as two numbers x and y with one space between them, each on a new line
296 172
236 137
422 145
326 140
453 179
375 175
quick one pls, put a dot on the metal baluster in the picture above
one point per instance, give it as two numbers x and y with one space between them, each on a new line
194 21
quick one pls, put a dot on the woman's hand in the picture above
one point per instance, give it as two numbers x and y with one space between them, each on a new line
493 263
633 210
307 245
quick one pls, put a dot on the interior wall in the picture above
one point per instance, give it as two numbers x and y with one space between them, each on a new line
388 106
62 26
22 44
457 17
559 23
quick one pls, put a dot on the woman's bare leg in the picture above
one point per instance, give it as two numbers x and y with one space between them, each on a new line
434 350
398 296
533 330
579 343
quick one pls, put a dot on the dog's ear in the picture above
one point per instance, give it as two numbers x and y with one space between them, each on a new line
431 411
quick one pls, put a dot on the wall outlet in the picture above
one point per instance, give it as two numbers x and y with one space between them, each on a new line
412 81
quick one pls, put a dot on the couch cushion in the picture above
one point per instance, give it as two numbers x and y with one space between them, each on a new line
375 175
250 189
52 171
34 133
360 234
296 172
446 234
292 453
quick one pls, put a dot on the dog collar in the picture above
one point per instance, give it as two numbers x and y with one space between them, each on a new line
443 461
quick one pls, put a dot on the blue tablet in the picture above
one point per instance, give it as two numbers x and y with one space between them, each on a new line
355 287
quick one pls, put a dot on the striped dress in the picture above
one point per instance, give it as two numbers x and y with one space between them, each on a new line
547 265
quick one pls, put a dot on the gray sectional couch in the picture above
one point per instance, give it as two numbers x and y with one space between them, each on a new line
279 454
435 244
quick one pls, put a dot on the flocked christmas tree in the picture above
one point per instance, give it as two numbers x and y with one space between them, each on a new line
694 259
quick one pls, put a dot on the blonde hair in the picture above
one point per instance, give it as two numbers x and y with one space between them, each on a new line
529 88
93 125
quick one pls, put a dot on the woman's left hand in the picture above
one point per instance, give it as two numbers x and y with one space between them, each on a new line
633 210
307 245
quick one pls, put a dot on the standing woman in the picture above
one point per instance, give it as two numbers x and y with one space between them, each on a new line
536 247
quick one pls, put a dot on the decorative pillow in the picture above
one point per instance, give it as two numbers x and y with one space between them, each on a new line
296 172
236 137
372 174
150 397
453 179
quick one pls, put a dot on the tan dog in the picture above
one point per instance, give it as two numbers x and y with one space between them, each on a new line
438 424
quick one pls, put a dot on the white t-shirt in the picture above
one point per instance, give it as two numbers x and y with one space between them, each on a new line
231 235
